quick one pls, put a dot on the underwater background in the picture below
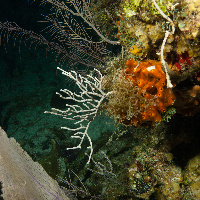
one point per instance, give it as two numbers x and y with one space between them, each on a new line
160 161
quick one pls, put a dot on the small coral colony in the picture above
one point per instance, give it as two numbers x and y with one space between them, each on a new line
141 95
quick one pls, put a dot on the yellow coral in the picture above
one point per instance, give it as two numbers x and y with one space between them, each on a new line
135 50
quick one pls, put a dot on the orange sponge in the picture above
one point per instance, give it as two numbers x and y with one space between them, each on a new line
151 82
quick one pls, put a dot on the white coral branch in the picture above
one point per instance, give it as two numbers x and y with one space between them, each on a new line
89 99
167 33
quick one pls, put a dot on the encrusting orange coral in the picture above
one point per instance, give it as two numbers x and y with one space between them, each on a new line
151 82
